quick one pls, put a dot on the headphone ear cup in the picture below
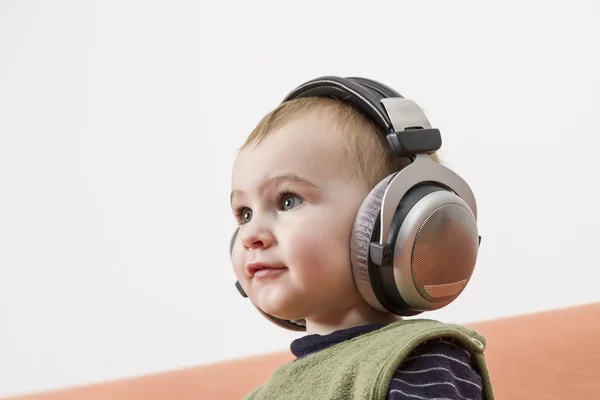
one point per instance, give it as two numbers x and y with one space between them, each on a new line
231 245
434 237
298 326
376 284
232 242
362 233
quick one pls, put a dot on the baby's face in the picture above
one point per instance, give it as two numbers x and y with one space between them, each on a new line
297 200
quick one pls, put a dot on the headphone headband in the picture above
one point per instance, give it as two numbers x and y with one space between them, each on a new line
396 117
361 93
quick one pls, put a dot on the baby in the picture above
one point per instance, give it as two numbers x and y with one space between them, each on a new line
298 184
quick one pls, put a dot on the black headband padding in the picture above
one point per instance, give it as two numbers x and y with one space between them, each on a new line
362 93
383 90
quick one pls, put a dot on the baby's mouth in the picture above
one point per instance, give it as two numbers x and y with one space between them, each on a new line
261 270
268 272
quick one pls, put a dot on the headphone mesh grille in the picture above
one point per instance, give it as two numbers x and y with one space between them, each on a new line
445 250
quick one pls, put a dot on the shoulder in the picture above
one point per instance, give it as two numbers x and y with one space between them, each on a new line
438 368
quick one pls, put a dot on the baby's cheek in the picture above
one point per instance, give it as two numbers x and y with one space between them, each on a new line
306 249
319 257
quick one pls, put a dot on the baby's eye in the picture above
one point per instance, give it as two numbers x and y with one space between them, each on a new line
246 215
290 201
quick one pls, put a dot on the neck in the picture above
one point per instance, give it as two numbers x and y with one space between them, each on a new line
357 315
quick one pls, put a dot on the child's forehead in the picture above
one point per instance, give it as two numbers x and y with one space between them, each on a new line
309 147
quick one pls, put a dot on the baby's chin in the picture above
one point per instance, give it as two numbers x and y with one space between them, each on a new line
280 303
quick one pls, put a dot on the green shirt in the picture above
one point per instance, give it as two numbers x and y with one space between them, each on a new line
361 368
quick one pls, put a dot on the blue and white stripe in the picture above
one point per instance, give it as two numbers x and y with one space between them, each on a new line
437 370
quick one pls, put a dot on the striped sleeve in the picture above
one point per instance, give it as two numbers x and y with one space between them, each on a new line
440 370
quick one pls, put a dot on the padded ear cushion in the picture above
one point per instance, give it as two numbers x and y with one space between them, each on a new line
232 242
362 232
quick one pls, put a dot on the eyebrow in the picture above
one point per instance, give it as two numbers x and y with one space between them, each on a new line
279 180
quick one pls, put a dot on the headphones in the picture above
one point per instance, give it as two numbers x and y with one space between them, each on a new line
415 241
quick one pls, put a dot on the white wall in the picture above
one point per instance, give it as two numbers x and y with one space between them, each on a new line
119 122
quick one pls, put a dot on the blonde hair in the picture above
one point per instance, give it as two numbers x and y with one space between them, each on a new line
364 143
